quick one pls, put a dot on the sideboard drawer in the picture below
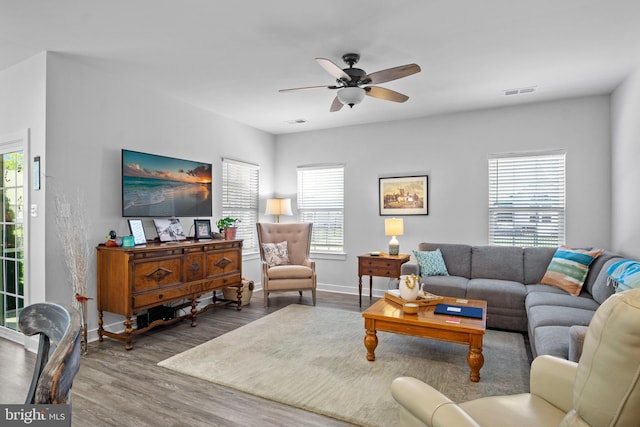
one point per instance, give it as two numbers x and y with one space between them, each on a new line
152 274
161 295
223 262
224 281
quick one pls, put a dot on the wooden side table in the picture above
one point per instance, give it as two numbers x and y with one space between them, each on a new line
383 265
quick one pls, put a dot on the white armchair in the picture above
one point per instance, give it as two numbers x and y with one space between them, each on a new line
602 389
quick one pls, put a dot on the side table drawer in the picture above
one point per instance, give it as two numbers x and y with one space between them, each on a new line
379 271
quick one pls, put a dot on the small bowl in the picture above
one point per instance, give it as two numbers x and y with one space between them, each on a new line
410 308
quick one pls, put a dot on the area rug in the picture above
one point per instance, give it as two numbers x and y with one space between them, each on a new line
314 358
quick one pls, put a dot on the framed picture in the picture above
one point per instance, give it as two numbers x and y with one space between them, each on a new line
137 230
404 195
203 228
169 230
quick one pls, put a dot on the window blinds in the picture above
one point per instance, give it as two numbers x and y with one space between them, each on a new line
527 199
321 202
240 183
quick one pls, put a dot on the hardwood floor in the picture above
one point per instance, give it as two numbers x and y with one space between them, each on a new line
115 387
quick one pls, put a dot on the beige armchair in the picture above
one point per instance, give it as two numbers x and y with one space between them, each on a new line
602 389
286 267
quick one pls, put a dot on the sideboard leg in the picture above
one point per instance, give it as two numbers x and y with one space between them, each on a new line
194 311
100 328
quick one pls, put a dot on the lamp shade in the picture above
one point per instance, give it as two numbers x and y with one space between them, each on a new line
351 95
278 207
393 227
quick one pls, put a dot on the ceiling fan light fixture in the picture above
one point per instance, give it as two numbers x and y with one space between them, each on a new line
351 95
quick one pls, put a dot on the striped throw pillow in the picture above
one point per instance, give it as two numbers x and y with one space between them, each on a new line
568 268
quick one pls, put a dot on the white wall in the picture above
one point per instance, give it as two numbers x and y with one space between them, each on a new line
625 146
91 117
453 151
22 107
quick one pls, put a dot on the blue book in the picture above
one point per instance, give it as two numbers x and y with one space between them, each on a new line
456 310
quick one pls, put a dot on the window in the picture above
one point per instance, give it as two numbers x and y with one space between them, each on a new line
321 202
527 199
240 199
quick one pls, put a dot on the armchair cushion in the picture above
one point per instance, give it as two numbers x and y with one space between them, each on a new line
275 253
289 272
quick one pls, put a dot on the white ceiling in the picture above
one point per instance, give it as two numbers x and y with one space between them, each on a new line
231 57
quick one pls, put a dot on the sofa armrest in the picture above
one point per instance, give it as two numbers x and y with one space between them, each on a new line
422 405
576 341
410 267
552 379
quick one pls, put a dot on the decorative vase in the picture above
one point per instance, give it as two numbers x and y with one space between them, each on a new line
230 233
84 349
409 287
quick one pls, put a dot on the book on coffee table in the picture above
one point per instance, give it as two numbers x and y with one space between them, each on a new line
457 310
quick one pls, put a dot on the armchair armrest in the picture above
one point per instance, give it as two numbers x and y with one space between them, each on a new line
422 405
310 263
552 379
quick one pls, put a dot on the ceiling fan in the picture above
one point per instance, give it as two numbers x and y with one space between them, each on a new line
350 82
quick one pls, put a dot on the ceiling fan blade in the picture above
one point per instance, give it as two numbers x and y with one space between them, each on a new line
308 87
392 74
335 105
386 94
333 69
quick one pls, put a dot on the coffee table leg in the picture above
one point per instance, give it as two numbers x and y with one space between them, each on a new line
371 342
475 357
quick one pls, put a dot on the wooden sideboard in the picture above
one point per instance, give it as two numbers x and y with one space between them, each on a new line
132 280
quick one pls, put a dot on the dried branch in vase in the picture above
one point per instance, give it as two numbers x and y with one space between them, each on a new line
72 229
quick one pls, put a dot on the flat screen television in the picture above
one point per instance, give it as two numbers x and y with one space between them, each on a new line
159 186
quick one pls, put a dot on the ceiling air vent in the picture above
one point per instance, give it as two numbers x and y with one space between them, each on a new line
519 91
297 121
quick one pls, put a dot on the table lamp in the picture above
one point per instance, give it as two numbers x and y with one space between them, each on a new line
393 227
278 207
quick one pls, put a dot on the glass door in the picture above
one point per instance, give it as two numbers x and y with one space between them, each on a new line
12 238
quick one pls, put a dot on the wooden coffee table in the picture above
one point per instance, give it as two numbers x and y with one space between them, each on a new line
388 316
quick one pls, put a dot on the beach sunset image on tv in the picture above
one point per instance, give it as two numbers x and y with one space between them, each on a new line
159 186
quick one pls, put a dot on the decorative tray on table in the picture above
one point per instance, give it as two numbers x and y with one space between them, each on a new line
424 298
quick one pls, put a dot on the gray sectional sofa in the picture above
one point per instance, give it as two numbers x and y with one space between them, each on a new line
508 278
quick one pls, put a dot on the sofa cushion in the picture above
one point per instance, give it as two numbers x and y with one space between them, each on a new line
449 286
555 315
498 293
497 262
275 253
594 279
544 288
456 257
561 299
569 268
536 261
431 263
599 288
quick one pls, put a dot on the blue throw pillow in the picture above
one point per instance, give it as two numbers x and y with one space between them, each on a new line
431 263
